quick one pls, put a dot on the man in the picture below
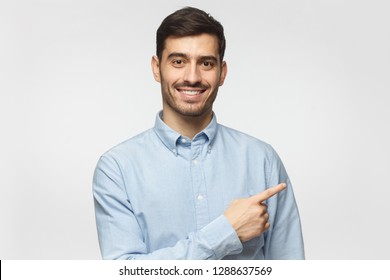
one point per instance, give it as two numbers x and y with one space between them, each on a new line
190 188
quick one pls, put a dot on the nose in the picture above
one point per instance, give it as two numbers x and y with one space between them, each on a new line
192 74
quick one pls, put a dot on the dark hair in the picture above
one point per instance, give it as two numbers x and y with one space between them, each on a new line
189 21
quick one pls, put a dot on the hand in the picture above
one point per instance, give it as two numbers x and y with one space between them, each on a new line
249 216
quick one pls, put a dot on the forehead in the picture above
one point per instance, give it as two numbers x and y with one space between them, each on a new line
193 46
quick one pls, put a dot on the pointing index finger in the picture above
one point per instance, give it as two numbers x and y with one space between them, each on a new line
268 193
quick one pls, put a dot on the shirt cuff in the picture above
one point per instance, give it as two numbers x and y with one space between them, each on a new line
222 238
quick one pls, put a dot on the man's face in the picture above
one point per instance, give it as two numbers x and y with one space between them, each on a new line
190 72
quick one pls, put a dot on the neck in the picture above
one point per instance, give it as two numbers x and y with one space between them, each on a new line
187 125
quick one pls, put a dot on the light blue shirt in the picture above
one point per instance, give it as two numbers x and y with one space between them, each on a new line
160 195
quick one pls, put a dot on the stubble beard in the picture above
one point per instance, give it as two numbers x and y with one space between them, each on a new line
188 109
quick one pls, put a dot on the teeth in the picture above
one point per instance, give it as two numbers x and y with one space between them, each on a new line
190 92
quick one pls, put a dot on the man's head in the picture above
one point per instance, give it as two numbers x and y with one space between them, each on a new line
187 22
189 63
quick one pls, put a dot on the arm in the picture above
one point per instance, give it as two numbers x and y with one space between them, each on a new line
284 238
121 237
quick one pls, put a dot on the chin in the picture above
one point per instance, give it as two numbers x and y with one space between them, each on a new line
193 112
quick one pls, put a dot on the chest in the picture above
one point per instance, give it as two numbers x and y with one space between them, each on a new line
173 189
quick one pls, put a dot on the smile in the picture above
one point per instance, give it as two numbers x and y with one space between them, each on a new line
191 91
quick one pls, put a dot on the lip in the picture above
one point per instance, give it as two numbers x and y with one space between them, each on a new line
190 91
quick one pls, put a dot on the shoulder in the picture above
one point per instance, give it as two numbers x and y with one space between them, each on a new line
244 140
132 146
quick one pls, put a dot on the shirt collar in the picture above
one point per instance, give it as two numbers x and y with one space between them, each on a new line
170 137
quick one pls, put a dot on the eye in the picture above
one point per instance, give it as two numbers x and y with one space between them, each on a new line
178 63
207 64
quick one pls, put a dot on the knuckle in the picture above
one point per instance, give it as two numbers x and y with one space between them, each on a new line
262 210
236 201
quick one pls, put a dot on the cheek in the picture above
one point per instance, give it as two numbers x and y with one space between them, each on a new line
212 79
169 78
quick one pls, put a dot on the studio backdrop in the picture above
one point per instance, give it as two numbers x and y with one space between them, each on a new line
312 78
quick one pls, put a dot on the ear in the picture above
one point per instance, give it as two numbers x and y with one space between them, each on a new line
156 68
223 73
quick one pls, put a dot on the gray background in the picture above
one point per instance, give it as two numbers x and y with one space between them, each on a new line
309 77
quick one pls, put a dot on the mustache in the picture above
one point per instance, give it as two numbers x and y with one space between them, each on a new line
190 85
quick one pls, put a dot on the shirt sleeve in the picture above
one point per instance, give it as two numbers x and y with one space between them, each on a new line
121 237
284 238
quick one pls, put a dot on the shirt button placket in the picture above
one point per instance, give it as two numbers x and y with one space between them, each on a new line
199 186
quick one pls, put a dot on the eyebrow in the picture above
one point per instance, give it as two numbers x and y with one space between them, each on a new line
177 54
183 55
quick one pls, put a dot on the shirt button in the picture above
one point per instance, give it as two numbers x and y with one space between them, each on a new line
195 162
200 197
183 140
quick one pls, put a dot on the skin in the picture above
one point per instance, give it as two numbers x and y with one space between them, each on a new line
189 64
190 73
248 216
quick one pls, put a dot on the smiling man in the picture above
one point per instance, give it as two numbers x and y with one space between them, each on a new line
190 188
